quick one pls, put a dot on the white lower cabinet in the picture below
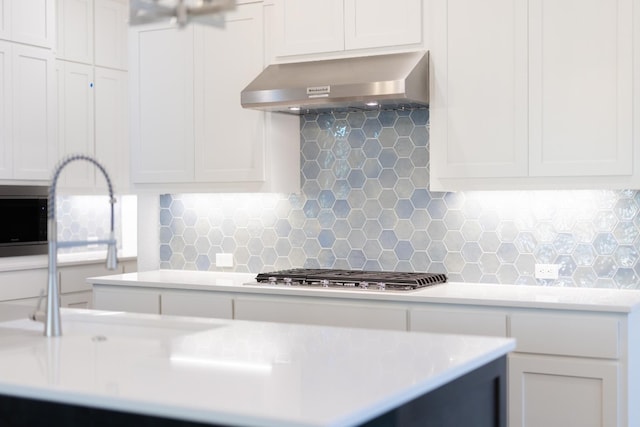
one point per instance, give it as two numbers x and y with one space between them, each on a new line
318 312
566 370
458 321
24 286
551 391
77 300
570 367
161 301
196 303
126 299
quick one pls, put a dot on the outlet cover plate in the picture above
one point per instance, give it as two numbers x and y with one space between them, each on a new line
547 271
224 260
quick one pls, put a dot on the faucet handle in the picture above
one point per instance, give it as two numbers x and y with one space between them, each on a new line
38 315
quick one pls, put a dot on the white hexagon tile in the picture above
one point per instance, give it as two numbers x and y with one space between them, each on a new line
365 204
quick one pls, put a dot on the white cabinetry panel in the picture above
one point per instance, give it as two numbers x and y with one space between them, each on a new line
77 300
581 103
518 93
291 310
126 299
556 334
189 132
110 24
230 140
560 392
33 22
378 23
194 303
162 107
34 141
454 321
75 120
75 30
111 120
5 110
479 97
309 26
4 19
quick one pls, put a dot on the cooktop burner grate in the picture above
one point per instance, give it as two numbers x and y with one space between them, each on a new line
326 278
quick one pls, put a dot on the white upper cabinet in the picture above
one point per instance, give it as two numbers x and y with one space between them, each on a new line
312 27
189 131
29 21
230 140
33 111
5 110
4 19
581 106
110 125
92 91
110 33
378 23
478 108
162 89
309 26
75 120
540 92
93 32
75 30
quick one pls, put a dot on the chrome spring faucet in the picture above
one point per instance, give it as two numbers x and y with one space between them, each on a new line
52 323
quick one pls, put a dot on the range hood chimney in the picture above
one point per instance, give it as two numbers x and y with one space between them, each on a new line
369 83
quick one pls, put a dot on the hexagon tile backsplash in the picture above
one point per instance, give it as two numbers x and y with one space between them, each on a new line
364 204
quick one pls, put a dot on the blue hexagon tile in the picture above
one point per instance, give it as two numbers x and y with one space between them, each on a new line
86 218
365 204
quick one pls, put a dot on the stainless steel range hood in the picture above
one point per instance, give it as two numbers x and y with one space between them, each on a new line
382 82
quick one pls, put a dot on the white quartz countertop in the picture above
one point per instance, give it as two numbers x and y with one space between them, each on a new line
231 372
592 299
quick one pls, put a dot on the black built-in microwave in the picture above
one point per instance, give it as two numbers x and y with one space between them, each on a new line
23 220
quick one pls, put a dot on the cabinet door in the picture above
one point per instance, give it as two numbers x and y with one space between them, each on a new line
34 139
292 310
452 321
21 284
4 19
162 90
230 140
560 392
309 26
75 121
111 33
194 303
77 300
5 110
479 100
73 278
126 299
581 104
378 23
75 30
111 148
33 22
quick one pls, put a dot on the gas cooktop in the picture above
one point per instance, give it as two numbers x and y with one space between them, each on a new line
351 279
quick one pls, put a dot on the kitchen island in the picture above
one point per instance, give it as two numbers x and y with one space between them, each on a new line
112 368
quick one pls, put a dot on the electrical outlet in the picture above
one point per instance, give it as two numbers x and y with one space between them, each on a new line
547 271
224 260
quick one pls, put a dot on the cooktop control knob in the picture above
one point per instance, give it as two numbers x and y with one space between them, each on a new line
324 283
287 281
364 285
381 286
